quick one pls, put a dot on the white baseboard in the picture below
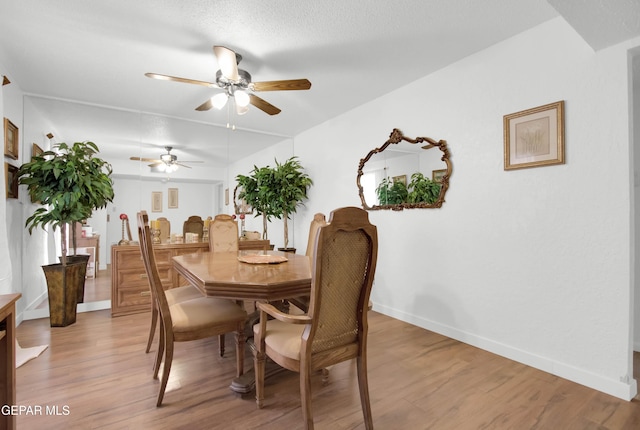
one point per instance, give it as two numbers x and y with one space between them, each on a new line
625 390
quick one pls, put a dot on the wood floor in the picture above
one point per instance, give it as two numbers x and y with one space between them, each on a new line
97 375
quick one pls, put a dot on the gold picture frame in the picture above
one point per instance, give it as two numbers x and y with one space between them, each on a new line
534 137
172 202
11 178
436 175
11 139
156 201
35 151
400 178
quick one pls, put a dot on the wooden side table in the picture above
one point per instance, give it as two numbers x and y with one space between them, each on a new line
8 356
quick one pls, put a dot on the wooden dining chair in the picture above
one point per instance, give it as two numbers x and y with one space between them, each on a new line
335 327
194 319
165 229
318 221
223 234
193 224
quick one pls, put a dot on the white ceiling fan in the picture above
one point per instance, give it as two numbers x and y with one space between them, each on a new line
167 163
236 83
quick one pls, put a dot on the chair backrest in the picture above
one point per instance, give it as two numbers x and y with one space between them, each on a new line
193 225
165 229
345 256
318 221
223 234
149 259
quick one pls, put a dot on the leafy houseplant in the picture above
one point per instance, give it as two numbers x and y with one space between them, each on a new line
290 185
422 189
70 182
391 192
258 191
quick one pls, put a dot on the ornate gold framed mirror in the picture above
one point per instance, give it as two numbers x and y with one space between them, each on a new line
405 173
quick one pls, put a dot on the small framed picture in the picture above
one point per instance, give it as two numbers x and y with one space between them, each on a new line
36 150
11 177
400 178
156 201
534 137
10 139
173 198
436 175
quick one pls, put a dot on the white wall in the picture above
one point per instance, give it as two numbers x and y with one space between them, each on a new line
533 264
133 195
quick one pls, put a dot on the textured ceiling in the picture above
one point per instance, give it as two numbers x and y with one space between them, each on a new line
96 53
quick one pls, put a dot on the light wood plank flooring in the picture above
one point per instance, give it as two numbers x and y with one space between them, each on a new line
97 369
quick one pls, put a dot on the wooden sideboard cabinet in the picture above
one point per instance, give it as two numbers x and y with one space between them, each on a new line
130 291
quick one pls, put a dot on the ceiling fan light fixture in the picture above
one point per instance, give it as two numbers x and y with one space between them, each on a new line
241 110
219 100
242 98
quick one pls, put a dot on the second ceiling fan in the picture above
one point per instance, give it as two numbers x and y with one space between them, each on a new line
236 83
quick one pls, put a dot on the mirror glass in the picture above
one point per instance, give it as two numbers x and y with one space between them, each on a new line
121 134
405 173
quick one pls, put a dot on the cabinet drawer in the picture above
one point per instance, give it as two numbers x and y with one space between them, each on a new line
134 278
130 298
129 260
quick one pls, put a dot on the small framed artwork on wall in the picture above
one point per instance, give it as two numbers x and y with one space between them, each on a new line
400 178
10 139
11 177
173 198
156 201
534 137
436 175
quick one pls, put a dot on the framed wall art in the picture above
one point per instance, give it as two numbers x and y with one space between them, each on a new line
173 198
156 201
436 175
534 137
10 139
400 178
35 151
11 178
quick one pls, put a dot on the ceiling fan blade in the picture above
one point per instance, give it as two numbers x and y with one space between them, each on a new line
152 160
191 161
205 106
184 80
263 105
227 62
288 84
182 165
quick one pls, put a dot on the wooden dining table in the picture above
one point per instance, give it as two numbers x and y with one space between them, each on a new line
224 275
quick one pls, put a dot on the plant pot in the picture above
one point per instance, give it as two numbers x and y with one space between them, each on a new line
62 284
80 258
291 250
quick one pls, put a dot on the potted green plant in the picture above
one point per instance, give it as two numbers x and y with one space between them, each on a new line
257 189
391 192
422 189
290 184
70 182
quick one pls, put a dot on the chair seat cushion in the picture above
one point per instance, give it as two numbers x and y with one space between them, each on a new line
283 337
181 294
204 312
